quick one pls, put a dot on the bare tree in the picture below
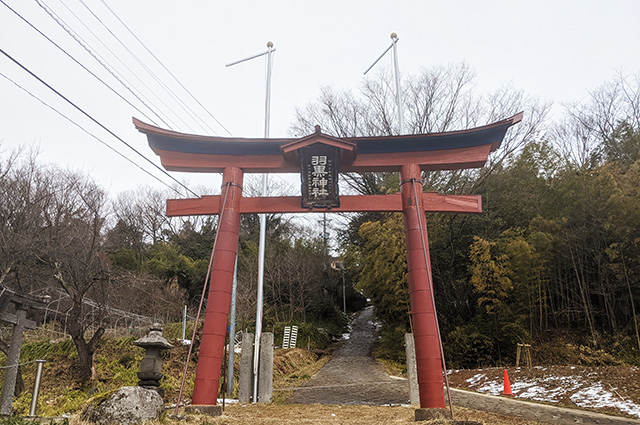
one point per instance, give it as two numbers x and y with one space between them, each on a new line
73 249
24 193
589 133
437 99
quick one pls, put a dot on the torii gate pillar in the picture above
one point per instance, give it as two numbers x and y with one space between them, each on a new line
205 391
425 326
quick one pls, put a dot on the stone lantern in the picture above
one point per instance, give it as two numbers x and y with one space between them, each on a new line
151 366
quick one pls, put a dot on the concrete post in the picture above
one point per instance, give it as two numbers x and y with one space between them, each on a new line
412 371
246 369
265 373
13 358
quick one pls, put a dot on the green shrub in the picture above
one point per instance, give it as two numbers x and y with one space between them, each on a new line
468 347
390 346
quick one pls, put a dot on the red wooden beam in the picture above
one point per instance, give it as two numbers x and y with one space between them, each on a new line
446 159
433 202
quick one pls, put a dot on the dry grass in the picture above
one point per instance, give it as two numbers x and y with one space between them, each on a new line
292 368
290 414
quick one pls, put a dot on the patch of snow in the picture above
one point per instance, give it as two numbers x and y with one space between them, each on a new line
597 396
346 336
228 401
474 380
492 387
376 325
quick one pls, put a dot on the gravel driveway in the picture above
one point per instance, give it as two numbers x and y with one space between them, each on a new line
352 376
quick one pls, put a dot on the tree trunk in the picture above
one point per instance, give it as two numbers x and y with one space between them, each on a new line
85 349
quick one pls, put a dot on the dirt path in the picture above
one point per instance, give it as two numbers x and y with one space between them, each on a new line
352 376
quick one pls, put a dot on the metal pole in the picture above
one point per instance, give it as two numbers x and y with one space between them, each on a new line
184 323
393 45
263 217
232 330
395 39
36 388
263 231
344 296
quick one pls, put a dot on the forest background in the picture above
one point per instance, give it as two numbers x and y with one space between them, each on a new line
553 260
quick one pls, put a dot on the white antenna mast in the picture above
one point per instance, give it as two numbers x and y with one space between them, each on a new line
393 45
263 218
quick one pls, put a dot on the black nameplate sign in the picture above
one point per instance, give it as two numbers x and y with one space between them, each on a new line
319 174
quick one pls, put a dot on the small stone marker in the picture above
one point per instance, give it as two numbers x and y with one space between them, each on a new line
265 372
245 389
412 371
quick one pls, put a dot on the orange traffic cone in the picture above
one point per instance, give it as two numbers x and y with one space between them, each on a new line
507 385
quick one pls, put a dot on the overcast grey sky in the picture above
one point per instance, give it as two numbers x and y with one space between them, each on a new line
556 50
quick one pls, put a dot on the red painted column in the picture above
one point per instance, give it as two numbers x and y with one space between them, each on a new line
205 391
425 330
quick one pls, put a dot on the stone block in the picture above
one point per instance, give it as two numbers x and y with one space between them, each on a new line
204 409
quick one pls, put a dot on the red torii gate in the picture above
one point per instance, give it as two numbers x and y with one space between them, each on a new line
408 154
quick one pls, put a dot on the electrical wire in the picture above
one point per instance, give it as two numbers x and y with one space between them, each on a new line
88 132
165 68
100 60
21 364
97 122
124 64
80 64
166 88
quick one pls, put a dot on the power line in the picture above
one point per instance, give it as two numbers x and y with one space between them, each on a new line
99 59
79 63
165 68
122 63
167 89
96 122
87 131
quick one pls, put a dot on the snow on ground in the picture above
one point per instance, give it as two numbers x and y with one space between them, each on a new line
596 396
608 389
347 335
